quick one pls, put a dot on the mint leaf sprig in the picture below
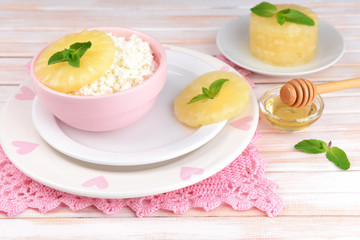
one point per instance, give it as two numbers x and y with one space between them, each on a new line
334 154
266 9
294 16
210 93
71 55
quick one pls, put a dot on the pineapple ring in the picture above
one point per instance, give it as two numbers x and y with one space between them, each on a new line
94 63
233 97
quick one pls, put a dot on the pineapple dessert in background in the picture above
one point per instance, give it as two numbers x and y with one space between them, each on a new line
284 34
94 63
212 97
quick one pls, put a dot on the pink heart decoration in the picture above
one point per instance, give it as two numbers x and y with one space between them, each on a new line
27 66
225 68
100 182
187 172
26 94
24 147
242 123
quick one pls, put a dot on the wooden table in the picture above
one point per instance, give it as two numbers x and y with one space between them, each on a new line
322 201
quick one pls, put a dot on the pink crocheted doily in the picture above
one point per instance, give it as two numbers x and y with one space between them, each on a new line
241 185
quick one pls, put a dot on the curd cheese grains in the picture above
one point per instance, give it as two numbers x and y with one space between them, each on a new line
133 63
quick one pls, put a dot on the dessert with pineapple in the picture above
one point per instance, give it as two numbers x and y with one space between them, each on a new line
212 97
101 79
283 34
107 63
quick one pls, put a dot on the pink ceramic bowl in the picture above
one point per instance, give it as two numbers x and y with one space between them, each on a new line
111 111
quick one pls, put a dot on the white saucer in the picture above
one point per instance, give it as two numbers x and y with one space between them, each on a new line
233 41
27 150
157 137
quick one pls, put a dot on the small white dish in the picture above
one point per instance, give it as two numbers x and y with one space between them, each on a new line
233 41
27 150
159 136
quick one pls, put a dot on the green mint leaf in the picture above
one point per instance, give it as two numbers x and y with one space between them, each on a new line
80 47
57 57
264 9
216 86
210 93
206 92
334 154
312 146
280 18
74 61
71 55
198 98
338 157
294 16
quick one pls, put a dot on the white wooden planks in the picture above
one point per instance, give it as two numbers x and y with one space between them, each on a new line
184 228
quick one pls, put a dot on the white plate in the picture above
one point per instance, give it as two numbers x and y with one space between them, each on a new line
233 42
157 137
34 157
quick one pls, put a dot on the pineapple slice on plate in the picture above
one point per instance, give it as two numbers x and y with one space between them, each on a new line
62 77
232 98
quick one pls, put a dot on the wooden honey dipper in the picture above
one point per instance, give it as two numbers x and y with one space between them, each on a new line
300 92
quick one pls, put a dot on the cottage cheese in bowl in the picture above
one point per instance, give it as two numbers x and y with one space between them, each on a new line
133 63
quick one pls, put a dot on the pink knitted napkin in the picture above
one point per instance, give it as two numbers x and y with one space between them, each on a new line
241 185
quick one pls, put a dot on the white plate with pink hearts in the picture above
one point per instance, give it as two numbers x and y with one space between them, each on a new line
36 158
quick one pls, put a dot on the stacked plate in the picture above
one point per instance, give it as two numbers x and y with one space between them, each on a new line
157 154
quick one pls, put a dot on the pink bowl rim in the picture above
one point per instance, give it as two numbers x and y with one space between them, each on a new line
162 65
